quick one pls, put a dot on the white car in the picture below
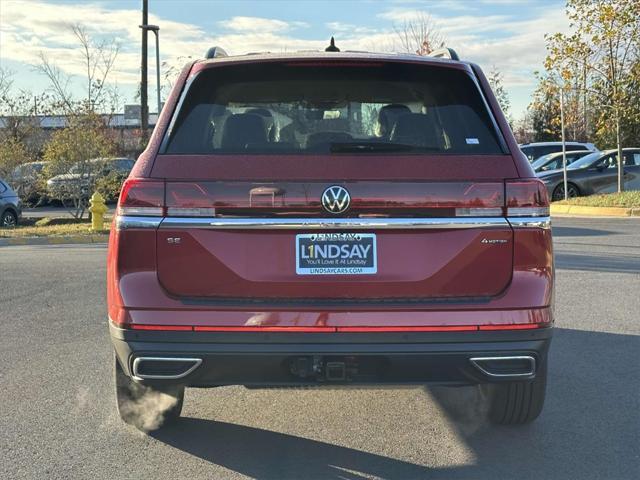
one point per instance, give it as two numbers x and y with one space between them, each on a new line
533 151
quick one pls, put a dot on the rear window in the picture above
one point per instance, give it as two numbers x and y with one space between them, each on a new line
338 108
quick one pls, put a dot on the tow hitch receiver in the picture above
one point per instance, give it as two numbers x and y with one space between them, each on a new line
335 371
321 369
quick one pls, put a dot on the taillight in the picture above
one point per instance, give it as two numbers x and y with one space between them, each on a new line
187 199
141 197
484 199
526 198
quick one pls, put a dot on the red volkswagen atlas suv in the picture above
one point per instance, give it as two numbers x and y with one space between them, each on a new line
331 218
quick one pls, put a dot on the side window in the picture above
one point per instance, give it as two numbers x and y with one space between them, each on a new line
3 187
631 159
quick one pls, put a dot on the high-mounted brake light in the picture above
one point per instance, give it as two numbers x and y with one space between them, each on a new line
141 197
526 198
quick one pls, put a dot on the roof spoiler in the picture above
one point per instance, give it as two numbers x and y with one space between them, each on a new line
445 52
215 52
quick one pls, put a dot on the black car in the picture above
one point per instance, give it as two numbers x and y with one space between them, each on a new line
553 161
10 206
594 173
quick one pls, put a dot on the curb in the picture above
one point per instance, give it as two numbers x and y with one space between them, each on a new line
594 211
55 240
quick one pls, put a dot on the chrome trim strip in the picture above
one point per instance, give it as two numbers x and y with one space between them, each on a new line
531 360
139 360
530 222
124 222
323 223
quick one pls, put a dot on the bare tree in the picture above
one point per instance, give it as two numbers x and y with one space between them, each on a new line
420 35
98 60
6 81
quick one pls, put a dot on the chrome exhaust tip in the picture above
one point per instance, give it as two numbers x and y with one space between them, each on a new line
506 367
163 368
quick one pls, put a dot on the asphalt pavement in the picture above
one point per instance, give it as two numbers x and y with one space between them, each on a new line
58 418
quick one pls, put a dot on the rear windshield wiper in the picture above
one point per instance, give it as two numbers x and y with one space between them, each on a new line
376 147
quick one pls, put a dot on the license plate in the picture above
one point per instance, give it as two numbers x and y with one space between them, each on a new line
336 254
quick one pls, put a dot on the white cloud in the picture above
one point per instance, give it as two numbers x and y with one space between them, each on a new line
514 44
256 24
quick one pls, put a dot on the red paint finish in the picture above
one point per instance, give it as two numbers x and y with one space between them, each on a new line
412 265
429 280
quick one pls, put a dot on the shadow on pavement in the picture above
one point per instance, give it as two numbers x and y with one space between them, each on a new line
589 429
580 232
590 425
264 454
598 263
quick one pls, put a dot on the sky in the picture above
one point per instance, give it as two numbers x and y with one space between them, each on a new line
505 34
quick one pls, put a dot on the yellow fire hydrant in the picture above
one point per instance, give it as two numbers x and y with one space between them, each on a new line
98 209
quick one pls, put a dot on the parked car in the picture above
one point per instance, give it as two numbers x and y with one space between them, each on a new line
333 251
10 206
84 175
594 173
553 161
533 151
28 182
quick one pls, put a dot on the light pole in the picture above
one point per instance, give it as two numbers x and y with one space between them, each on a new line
564 147
156 30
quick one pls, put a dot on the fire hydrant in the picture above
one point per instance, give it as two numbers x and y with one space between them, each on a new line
98 209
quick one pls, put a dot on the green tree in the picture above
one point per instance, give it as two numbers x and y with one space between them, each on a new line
12 154
600 56
80 148
496 81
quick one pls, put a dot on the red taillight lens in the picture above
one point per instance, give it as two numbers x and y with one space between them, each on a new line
481 200
141 198
527 198
187 199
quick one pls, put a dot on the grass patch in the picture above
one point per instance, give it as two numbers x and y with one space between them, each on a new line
624 199
51 227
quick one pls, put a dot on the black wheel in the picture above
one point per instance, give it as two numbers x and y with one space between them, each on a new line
572 190
9 219
146 408
517 403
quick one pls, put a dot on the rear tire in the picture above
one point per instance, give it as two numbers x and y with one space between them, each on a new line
518 403
146 408
558 192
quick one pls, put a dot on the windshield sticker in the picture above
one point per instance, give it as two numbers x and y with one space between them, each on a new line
472 141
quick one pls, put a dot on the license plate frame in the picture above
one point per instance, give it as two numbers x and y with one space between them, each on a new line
357 254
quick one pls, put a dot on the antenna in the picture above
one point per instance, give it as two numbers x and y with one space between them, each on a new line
332 46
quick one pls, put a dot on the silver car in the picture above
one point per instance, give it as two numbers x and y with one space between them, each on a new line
10 206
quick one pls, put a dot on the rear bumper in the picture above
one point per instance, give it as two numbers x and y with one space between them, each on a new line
260 359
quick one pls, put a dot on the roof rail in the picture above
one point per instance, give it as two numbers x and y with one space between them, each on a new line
445 52
215 52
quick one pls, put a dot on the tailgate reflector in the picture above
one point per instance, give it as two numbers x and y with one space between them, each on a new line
444 328
265 329
161 327
519 326
440 328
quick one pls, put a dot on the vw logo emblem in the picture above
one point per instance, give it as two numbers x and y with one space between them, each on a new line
336 199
